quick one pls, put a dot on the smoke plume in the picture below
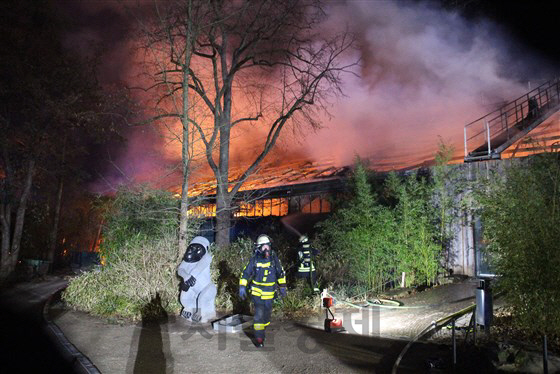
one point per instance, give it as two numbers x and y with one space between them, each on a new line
425 73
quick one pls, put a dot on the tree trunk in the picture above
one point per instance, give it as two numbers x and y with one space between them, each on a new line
223 222
20 215
9 258
223 200
5 220
185 154
54 230
97 236
56 219
5 216
184 218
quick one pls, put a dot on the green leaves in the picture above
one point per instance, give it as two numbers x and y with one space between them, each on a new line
367 243
522 231
355 237
141 249
136 215
416 231
139 271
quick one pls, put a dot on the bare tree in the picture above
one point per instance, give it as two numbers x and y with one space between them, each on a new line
13 200
168 39
254 65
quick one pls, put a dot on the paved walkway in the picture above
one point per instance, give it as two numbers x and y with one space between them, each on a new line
175 346
26 346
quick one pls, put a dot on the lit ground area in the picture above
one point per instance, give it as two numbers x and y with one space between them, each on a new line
374 339
372 342
418 311
176 347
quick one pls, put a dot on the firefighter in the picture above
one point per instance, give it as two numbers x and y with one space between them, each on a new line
262 273
306 256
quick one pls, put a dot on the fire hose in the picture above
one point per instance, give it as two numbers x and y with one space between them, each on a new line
379 303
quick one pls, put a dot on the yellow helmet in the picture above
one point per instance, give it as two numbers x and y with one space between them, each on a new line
303 239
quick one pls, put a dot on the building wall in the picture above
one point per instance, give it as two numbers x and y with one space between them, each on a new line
466 244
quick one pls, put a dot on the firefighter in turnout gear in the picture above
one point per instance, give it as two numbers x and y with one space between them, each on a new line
306 255
260 276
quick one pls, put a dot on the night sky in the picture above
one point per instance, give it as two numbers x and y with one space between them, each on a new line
532 23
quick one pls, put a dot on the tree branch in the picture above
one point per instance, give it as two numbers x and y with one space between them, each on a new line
256 118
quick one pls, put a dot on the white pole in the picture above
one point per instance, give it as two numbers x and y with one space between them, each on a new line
488 135
465 134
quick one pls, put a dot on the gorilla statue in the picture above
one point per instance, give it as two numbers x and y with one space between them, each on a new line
197 290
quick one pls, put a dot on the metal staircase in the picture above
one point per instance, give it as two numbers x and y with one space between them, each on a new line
487 137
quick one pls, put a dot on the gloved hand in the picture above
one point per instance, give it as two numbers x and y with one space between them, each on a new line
283 292
242 292
184 287
191 281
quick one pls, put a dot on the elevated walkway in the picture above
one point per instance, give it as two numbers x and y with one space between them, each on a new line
487 137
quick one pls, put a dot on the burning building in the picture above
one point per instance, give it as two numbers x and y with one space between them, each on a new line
278 190
525 126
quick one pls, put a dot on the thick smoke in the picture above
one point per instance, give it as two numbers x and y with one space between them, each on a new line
107 28
425 73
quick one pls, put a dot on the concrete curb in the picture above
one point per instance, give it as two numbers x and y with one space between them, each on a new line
80 363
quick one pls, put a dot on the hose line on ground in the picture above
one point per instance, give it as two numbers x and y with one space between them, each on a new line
394 304
379 303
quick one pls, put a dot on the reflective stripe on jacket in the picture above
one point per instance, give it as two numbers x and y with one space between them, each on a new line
263 274
305 261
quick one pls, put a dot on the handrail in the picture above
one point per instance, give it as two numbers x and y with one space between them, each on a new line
556 80
435 324
500 126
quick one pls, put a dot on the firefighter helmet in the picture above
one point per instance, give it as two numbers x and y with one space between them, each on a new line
263 239
263 245
303 239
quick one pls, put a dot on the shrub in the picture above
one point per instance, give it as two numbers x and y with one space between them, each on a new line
366 243
142 255
136 214
227 265
415 239
299 301
355 239
139 272
521 220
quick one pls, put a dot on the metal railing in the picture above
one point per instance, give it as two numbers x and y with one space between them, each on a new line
489 135
438 325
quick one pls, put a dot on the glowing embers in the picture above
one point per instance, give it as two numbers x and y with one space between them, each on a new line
279 207
206 210
269 175
544 138
314 204
263 208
